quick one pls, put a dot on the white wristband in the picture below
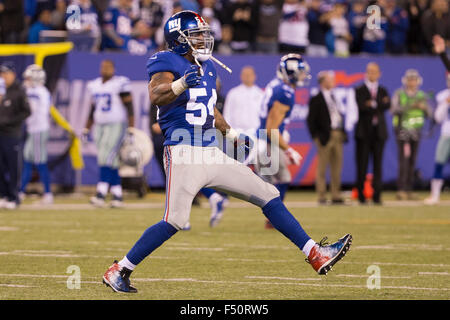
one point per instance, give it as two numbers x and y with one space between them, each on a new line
231 134
179 86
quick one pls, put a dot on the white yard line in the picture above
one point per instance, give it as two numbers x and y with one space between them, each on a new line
286 283
398 264
283 278
19 275
367 275
7 228
400 247
324 285
434 273
9 285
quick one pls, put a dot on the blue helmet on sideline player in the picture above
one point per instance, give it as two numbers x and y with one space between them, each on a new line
188 30
294 70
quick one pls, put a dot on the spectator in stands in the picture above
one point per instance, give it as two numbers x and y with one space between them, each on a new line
43 23
11 21
190 5
416 9
397 27
59 15
293 31
436 20
176 7
88 36
268 15
142 42
374 39
117 26
410 108
240 17
439 48
224 46
152 13
357 18
217 6
318 27
211 14
243 103
340 30
326 125
371 131
34 7
29 11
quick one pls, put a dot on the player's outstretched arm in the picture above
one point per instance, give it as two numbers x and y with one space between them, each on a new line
160 89
220 122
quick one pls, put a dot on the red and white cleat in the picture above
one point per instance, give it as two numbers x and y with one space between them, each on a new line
322 257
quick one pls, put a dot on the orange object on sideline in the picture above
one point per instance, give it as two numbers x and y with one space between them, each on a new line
368 189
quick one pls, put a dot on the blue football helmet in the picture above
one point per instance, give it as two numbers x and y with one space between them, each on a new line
187 30
294 70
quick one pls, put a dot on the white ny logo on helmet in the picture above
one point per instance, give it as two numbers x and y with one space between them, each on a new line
174 25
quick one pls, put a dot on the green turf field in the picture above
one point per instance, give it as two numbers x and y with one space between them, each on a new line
239 259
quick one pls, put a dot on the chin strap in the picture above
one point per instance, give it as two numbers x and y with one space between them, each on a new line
221 64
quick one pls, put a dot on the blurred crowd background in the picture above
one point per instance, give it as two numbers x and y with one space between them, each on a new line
313 27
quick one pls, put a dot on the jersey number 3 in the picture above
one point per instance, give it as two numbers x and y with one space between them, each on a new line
193 105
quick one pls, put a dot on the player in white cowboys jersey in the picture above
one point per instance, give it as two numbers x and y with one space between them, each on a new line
442 116
38 125
112 113
183 86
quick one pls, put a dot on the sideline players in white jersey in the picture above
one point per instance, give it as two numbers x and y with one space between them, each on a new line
38 125
442 116
112 113
183 86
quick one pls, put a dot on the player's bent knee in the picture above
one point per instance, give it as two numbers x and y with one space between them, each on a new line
273 192
270 193
177 222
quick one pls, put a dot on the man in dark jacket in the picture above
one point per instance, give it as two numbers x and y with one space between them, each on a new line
14 109
370 132
436 20
326 124
11 21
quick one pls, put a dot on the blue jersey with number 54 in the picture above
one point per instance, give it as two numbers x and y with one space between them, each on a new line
190 118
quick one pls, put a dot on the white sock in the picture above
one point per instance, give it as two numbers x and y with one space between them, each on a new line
126 263
102 188
116 191
436 185
308 246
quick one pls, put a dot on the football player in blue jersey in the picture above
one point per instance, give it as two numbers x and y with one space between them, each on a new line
277 104
183 86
